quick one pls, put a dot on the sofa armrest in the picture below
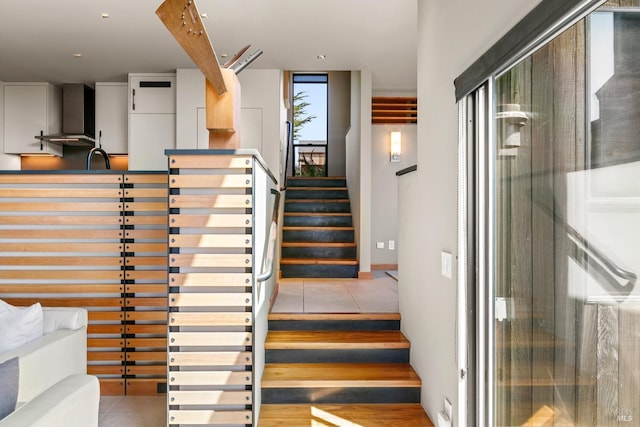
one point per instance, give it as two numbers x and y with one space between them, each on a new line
48 359
54 318
72 402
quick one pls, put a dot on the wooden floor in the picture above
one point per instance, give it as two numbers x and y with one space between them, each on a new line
335 415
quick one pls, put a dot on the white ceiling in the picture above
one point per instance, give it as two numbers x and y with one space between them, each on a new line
38 38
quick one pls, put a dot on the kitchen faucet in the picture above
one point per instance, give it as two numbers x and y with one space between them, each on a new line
104 155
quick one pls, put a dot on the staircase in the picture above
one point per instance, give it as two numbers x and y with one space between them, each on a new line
339 369
317 235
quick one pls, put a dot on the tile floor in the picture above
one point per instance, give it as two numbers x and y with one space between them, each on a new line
133 411
376 295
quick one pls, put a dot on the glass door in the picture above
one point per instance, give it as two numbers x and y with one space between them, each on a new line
565 168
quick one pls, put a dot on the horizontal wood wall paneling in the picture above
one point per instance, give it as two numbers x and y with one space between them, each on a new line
394 110
220 220
210 240
75 220
145 386
210 260
207 378
210 279
210 289
240 201
211 181
111 386
209 358
209 162
210 300
207 397
209 338
210 417
210 319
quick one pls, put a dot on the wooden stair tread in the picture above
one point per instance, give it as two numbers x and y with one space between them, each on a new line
318 261
335 339
316 375
381 414
334 316
318 244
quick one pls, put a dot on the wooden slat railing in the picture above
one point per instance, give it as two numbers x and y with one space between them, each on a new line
210 340
77 240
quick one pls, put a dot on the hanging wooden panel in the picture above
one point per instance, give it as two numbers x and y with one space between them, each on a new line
394 110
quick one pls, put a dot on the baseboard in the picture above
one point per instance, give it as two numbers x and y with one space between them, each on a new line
365 275
384 266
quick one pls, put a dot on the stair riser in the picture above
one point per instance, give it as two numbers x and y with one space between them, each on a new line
374 355
319 271
318 221
326 236
318 252
310 182
324 207
334 325
317 194
341 395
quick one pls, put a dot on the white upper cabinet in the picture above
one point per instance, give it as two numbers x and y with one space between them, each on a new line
152 93
31 109
112 117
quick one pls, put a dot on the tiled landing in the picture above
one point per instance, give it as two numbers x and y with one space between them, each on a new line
378 295
133 411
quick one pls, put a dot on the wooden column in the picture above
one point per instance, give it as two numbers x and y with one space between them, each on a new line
223 113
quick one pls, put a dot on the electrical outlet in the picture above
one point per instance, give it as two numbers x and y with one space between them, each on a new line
392 245
379 245
446 262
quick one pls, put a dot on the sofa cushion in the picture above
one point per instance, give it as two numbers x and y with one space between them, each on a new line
9 376
19 326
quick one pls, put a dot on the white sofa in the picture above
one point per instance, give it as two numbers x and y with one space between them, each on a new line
54 389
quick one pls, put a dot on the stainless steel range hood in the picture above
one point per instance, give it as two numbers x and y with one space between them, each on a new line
78 117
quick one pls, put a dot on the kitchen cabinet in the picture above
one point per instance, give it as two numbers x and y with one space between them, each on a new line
152 120
29 110
112 117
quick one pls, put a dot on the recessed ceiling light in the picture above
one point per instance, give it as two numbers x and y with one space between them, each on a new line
204 15
224 55
77 55
105 16
321 56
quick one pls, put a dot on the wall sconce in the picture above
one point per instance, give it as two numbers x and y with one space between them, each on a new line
396 146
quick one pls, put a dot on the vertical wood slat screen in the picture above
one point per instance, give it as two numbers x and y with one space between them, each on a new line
64 242
210 290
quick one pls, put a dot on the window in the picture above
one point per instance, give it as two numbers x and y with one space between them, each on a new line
310 112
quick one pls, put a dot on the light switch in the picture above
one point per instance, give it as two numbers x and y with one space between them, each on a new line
379 245
446 264
392 245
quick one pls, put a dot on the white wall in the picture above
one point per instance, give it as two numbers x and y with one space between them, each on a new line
358 164
451 36
339 120
384 184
